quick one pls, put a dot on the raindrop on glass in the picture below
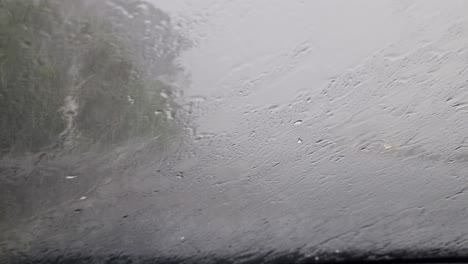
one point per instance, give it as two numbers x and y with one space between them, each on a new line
164 95
130 100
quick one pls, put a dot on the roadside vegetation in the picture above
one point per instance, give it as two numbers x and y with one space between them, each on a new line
75 74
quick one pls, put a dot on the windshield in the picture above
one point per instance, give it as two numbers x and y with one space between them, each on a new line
232 131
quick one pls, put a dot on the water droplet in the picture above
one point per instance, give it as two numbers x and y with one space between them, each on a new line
317 258
299 140
298 122
164 95
182 238
130 100
70 177
337 251
180 175
83 198
169 115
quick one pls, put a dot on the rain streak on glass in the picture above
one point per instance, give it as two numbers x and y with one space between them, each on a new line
247 130
89 109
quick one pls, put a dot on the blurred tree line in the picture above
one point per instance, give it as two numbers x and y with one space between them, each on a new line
76 73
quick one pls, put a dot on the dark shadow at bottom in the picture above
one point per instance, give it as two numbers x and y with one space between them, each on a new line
403 256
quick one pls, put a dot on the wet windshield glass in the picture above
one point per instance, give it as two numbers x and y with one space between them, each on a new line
178 130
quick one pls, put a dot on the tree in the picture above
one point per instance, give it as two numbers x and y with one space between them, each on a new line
80 73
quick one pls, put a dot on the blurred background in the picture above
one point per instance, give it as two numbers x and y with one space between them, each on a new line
211 130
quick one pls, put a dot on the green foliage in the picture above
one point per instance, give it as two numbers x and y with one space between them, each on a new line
69 77
29 84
